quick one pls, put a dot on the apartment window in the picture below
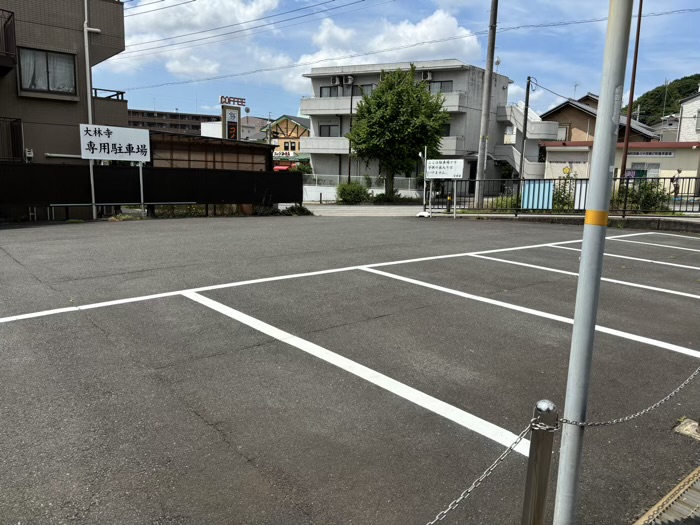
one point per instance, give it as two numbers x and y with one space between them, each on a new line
445 131
47 72
563 133
293 146
444 86
329 130
286 146
364 89
329 91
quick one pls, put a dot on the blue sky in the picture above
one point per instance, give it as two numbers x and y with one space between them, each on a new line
276 34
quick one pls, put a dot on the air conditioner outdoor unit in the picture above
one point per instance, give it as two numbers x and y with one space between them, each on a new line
426 75
349 79
335 81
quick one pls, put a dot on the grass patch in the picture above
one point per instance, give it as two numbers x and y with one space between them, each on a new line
124 217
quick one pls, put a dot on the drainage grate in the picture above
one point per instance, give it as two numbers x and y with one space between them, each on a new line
680 506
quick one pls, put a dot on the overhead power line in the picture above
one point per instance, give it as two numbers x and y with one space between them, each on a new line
398 48
227 26
237 30
243 34
547 89
159 8
143 5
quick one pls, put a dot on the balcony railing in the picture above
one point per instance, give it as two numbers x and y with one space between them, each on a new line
108 93
11 140
8 47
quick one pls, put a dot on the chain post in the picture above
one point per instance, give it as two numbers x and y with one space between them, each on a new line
540 459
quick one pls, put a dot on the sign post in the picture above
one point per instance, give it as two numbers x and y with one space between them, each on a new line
113 143
143 206
450 169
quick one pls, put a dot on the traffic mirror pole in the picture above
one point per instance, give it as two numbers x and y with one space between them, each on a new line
591 266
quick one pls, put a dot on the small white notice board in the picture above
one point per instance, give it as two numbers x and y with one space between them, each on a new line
445 169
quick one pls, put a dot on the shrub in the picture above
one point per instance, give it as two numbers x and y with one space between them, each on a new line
268 211
352 193
564 194
297 210
303 167
642 195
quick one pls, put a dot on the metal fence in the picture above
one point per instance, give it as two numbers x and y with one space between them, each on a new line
371 183
637 194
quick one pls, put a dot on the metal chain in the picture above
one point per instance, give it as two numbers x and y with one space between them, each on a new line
535 424
676 493
464 495
635 415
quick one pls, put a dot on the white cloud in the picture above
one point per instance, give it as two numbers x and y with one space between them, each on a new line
329 34
516 94
437 26
184 65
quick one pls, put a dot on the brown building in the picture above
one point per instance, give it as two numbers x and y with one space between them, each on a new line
43 82
170 121
285 134
577 119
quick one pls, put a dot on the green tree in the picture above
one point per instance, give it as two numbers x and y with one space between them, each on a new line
396 122
652 102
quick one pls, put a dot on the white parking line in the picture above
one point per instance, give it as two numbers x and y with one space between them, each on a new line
676 235
657 244
676 265
253 281
574 274
539 313
127 300
467 420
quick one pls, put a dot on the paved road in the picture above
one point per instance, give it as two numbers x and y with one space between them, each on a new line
204 408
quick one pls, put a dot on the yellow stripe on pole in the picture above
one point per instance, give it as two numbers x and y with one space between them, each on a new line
596 218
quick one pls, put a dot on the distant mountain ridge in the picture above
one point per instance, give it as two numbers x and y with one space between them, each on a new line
652 102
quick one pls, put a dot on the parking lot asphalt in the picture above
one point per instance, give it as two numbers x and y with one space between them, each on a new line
361 392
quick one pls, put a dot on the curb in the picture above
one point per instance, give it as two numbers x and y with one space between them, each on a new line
640 223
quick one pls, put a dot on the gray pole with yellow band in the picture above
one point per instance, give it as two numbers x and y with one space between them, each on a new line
590 270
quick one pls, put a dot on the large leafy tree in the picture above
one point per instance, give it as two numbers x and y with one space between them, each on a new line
396 122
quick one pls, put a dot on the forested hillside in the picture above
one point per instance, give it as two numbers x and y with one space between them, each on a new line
652 102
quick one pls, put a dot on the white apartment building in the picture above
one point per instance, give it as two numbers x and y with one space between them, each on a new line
689 127
336 89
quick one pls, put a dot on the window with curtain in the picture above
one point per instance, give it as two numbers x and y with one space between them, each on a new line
46 71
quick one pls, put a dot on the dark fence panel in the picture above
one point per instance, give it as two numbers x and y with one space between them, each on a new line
117 185
46 184
42 185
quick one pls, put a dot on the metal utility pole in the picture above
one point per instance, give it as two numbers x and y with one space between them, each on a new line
88 87
486 108
625 146
522 142
590 269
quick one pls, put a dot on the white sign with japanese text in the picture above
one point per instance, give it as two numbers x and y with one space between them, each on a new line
445 169
113 143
